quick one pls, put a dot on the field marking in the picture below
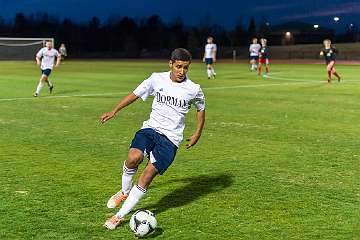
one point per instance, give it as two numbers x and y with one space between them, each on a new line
122 93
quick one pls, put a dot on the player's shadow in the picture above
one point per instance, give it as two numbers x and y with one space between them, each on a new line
195 188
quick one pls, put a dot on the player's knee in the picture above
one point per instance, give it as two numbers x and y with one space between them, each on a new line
134 158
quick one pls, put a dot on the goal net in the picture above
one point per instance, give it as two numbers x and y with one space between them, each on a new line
21 48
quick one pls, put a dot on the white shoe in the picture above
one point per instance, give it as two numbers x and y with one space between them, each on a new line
116 199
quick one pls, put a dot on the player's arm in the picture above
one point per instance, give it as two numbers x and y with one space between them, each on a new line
38 61
214 53
321 53
38 57
58 59
200 117
126 101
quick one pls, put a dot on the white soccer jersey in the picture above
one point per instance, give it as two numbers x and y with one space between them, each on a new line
210 50
254 49
47 57
171 103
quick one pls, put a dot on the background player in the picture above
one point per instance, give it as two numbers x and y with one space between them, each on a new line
263 56
254 53
63 51
45 59
210 57
161 135
329 52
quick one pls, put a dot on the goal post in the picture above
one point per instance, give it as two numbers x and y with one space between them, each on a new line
21 48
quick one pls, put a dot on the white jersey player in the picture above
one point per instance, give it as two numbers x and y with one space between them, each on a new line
45 59
254 53
210 57
161 134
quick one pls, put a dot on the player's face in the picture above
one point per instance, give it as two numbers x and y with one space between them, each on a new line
49 45
327 44
254 41
209 40
179 70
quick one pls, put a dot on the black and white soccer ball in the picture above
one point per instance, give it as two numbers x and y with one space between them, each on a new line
143 223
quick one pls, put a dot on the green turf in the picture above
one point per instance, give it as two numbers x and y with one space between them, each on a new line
279 157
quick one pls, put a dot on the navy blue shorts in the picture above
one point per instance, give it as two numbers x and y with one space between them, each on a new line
46 71
160 149
254 58
209 61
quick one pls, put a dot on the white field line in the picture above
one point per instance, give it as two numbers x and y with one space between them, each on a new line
123 93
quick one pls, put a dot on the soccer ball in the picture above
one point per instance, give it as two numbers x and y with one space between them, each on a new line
143 223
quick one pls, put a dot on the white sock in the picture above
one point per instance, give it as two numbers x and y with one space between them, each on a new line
213 71
39 87
126 181
134 197
209 72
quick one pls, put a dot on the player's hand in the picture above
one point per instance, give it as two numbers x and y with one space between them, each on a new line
38 63
321 53
57 65
107 116
192 141
214 59
203 59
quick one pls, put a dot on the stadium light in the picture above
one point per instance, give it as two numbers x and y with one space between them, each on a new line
336 19
288 34
316 26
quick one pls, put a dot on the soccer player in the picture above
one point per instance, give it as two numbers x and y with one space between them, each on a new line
161 134
210 57
45 59
63 51
263 56
329 52
254 53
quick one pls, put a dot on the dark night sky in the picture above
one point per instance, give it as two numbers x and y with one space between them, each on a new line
225 13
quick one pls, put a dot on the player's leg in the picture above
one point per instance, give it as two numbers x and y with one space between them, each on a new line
213 73
329 69
130 166
135 195
141 143
334 72
209 72
259 67
267 68
252 63
161 157
40 85
47 73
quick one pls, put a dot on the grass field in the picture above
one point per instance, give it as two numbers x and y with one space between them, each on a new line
279 157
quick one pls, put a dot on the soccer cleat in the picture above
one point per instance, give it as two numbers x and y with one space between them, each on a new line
329 81
51 88
36 95
339 79
113 222
116 199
